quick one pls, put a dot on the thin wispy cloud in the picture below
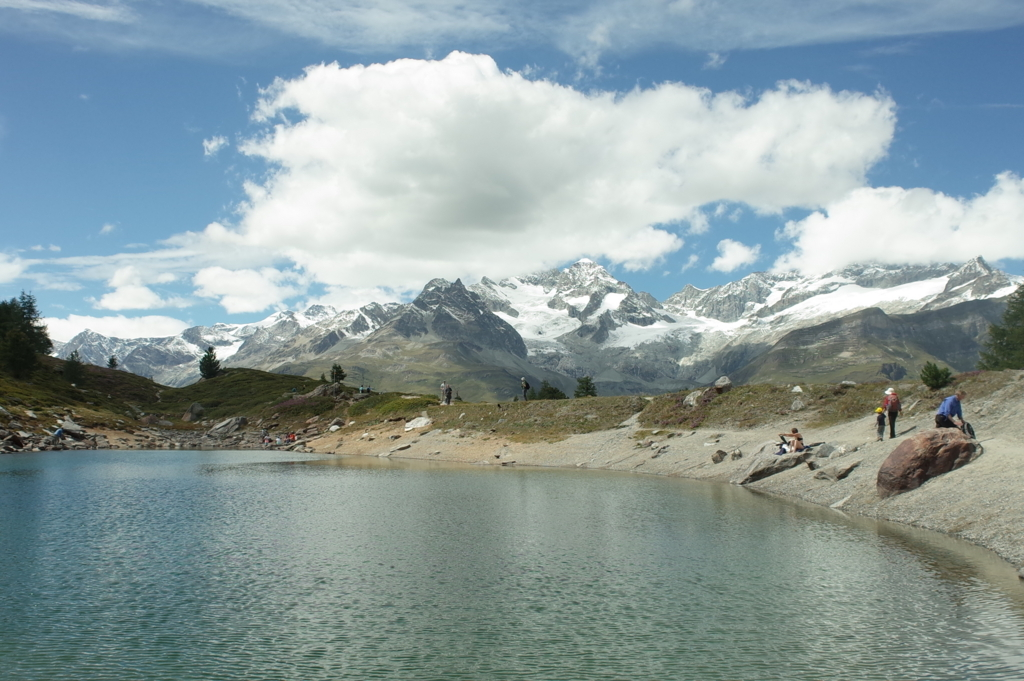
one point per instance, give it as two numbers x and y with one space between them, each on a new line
715 61
214 144
583 29
102 12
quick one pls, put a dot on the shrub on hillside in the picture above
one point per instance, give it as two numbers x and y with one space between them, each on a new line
550 392
934 377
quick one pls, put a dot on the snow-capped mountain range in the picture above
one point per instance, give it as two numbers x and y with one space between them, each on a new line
563 324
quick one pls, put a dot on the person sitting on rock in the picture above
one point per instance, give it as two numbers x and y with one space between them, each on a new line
795 441
950 409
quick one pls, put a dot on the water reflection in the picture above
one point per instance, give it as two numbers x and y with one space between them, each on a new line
256 565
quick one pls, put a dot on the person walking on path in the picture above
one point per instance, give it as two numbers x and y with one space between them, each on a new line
893 408
950 409
525 386
448 393
880 423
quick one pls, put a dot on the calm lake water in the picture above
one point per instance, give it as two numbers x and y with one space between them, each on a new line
248 565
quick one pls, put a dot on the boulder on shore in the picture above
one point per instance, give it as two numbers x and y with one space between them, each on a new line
925 456
193 413
227 426
766 463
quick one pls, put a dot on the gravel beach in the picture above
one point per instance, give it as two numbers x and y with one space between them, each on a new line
982 503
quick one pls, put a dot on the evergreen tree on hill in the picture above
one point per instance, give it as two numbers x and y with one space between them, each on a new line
337 373
209 365
23 336
74 370
16 354
1004 348
550 392
585 387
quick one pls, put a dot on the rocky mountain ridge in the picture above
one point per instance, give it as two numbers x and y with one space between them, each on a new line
562 324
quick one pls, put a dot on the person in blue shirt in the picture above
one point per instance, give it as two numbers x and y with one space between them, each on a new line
950 409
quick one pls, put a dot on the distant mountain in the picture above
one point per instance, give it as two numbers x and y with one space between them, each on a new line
563 324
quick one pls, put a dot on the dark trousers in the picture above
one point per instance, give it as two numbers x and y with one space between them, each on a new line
892 423
943 421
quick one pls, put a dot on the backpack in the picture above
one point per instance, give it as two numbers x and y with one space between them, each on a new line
892 402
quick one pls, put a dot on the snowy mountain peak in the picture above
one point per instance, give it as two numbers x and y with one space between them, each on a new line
318 313
575 321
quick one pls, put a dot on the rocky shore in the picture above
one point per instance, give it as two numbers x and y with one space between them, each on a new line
981 502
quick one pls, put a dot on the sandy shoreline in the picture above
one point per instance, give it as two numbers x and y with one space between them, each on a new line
982 503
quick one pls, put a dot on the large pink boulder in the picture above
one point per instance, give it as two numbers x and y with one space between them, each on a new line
923 457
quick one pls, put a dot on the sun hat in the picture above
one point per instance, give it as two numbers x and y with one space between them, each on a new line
890 391
878 410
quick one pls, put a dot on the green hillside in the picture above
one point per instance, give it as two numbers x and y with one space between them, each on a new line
235 392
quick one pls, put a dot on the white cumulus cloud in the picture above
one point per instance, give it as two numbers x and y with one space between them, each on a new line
391 174
246 290
733 255
11 268
895 225
131 291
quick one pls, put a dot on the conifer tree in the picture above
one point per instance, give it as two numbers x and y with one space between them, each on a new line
16 354
934 377
585 387
1004 348
550 392
337 373
112 362
74 370
23 336
209 366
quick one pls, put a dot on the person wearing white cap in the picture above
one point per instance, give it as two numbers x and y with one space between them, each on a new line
525 386
892 408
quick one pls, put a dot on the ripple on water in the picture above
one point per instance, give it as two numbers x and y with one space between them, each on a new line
233 566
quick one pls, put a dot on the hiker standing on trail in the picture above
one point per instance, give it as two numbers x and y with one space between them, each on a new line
525 386
893 408
950 409
448 393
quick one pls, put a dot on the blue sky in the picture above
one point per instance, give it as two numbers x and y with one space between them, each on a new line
171 164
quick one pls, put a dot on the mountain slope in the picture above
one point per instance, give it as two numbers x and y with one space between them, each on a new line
560 325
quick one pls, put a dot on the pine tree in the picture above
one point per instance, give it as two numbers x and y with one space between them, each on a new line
550 392
209 367
934 377
585 387
16 354
112 362
23 336
74 370
337 373
1004 348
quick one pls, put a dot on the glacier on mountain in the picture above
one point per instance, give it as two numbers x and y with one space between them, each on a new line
572 322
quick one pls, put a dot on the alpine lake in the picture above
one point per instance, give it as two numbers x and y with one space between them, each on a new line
270 565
